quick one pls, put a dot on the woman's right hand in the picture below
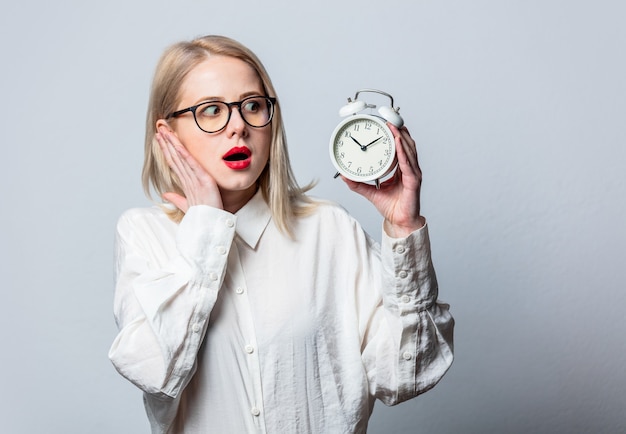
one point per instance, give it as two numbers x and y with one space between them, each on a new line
198 186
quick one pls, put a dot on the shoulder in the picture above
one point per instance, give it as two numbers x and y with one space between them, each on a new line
331 226
323 208
149 220
137 215
327 213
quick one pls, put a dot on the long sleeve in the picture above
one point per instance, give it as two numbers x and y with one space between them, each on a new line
409 340
168 278
258 332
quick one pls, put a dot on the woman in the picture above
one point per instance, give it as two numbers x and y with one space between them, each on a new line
246 306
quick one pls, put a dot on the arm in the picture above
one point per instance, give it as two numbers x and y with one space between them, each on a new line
167 283
409 339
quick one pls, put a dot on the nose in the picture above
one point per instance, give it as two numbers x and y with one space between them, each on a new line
236 124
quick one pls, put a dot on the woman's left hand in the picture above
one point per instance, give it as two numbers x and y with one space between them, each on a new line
398 198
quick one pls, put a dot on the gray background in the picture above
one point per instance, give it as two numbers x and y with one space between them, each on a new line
518 111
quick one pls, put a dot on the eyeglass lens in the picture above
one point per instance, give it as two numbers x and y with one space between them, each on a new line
214 115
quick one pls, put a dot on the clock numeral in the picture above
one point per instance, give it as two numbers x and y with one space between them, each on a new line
349 164
346 134
368 125
387 152
356 127
340 143
342 155
359 170
380 162
371 169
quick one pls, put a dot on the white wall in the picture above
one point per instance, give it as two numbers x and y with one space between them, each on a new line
518 110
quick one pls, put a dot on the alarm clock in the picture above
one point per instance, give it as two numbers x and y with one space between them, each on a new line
362 147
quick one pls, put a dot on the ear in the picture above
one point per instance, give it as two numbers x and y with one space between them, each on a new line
162 123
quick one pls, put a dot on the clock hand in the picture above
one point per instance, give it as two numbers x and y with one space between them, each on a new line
372 142
363 148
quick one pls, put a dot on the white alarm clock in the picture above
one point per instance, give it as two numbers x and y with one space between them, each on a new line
362 147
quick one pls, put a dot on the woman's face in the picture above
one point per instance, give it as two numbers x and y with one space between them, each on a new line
236 155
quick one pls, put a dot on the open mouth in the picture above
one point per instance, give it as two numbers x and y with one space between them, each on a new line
237 154
238 158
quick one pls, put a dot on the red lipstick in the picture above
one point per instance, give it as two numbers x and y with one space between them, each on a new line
237 158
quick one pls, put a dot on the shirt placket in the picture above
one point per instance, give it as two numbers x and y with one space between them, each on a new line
250 348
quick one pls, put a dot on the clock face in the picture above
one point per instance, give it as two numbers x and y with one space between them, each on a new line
362 148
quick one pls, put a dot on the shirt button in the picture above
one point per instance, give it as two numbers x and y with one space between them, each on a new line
255 411
221 250
230 223
239 290
400 249
249 349
405 299
195 328
407 356
403 274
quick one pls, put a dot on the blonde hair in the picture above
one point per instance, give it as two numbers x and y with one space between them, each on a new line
277 181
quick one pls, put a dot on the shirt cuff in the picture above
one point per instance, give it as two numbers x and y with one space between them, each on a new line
204 237
407 263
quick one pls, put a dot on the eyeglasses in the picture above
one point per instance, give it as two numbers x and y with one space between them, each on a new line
213 116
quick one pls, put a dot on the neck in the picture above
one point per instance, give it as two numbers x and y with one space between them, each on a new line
233 201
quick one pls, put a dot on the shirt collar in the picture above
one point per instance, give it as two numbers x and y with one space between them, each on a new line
252 219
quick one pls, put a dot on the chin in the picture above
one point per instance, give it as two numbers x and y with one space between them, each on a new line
241 186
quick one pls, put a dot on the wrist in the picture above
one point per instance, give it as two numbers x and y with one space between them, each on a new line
403 231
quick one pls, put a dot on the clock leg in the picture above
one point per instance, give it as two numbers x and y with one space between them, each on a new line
377 184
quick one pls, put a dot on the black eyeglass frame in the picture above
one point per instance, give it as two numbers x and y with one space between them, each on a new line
230 105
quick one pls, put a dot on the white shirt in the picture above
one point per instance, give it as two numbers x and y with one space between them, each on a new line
228 326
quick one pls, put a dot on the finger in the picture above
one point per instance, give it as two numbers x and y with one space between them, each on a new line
170 145
404 160
408 167
359 187
172 160
405 135
193 169
366 191
181 151
168 152
407 141
406 149
165 150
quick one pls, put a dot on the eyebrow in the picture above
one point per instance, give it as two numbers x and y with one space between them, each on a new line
218 98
